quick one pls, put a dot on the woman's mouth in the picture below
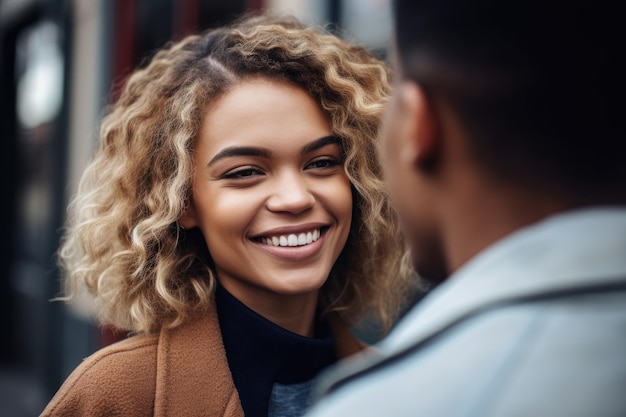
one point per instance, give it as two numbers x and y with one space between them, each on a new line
292 239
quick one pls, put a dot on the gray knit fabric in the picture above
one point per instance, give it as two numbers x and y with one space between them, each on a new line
290 400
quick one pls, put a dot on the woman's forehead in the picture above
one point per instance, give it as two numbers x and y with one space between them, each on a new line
265 113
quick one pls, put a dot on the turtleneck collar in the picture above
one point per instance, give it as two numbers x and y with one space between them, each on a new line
261 353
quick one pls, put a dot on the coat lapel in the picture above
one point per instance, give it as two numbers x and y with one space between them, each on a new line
193 377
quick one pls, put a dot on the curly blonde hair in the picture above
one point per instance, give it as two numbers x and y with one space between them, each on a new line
122 241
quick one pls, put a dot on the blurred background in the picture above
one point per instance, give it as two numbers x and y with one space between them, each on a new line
59 62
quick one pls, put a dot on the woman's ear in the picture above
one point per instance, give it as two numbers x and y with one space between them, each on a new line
423 136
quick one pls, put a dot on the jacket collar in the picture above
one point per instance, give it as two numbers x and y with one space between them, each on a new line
193 377
564 251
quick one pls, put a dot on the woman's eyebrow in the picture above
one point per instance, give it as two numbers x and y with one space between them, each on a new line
266 153
320 143
240 151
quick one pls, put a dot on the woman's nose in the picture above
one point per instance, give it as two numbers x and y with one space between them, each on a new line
290 193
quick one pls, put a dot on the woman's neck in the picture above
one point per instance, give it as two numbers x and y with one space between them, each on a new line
293 312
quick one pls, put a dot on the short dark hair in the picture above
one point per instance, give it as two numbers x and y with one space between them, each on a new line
535 84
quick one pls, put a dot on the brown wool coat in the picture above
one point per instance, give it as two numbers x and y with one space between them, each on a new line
180 372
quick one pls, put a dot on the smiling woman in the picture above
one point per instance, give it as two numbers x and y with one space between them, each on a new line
271 179
235 220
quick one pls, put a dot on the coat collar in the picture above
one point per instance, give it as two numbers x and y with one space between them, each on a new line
193 377
567 250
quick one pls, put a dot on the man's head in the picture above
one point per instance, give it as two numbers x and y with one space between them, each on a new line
510 95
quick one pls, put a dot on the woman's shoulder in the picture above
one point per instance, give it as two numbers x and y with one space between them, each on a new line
119 379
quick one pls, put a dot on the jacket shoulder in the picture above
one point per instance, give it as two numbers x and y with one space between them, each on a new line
119 379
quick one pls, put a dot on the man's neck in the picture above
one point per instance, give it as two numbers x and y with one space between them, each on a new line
482 216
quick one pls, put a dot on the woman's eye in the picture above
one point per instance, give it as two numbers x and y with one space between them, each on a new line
324 163
242 173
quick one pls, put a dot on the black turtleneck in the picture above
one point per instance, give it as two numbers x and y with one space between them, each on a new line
261 354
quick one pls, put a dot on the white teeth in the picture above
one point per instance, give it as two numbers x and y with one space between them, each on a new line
292 239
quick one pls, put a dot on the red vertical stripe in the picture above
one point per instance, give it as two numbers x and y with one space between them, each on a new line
255 5
123 42
187 17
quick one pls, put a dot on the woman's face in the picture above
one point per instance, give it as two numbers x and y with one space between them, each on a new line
270 194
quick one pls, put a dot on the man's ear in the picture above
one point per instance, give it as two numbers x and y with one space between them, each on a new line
188 219
423 139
